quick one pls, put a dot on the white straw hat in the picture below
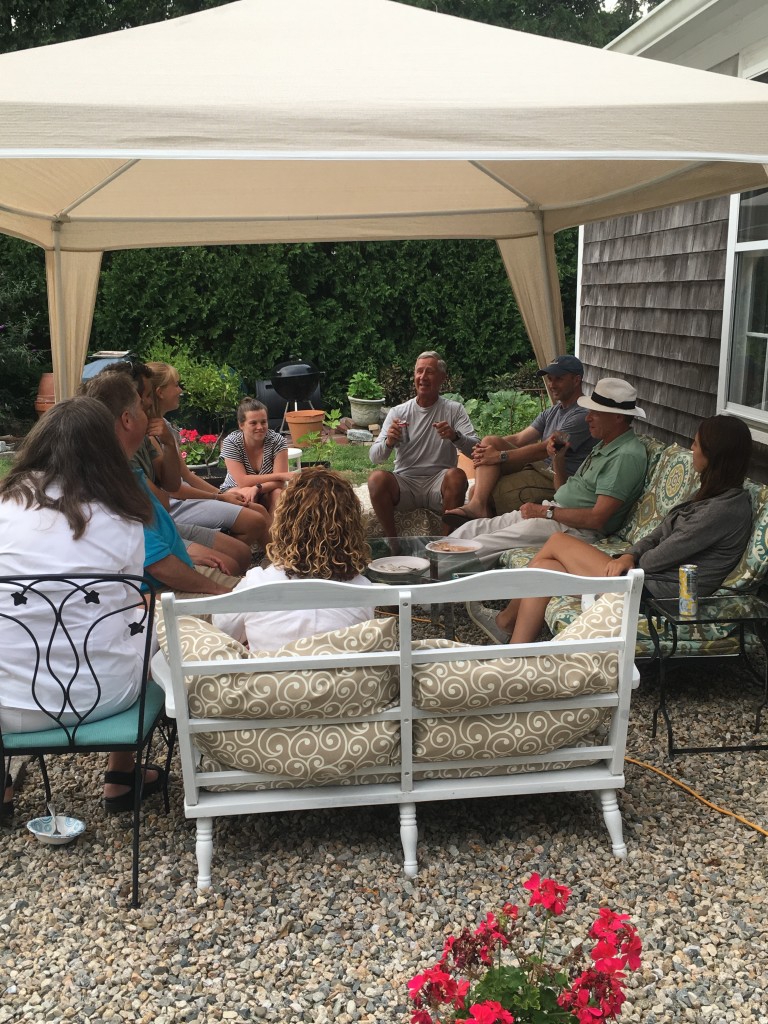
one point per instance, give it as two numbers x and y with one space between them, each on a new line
613 395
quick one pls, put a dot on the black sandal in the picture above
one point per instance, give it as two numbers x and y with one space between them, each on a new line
124 802
7 807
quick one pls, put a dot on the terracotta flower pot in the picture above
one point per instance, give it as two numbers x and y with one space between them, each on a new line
45 396
302 422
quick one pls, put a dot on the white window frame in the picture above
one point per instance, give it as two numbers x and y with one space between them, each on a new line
752 63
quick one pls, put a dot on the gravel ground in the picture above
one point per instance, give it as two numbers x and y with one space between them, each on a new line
311 919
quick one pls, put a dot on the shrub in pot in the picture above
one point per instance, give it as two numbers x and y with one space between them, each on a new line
366 399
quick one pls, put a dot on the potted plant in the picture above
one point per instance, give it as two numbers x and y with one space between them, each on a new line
366 398
318 449
199 451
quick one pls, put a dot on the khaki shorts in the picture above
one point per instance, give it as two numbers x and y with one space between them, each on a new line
420 492
531 483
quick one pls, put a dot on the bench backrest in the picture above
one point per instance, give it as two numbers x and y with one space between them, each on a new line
373 714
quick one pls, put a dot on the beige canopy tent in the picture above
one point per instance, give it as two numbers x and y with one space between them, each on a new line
301 120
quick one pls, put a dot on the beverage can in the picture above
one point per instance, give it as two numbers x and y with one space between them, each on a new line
689 592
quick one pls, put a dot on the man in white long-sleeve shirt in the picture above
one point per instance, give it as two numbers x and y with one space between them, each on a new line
426 434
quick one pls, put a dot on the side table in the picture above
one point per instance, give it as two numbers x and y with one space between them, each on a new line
742 610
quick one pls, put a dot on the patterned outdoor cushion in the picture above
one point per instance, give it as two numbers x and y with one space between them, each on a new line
420 522
310 693
464 685
752 568
673 481
317 754
424 771
506 735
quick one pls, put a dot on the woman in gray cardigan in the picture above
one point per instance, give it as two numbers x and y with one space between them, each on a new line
709 530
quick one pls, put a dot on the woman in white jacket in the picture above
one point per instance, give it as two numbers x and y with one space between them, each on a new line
72 505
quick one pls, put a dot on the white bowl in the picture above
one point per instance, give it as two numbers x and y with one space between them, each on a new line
398 568
69 829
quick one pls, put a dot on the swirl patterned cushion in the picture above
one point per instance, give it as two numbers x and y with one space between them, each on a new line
308 754
315 755
464 685
524 734
331 693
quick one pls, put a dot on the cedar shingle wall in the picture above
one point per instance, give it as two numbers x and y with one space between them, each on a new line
652 295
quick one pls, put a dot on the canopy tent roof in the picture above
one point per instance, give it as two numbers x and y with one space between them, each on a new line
296 120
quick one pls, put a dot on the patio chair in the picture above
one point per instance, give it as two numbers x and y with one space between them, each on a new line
72 639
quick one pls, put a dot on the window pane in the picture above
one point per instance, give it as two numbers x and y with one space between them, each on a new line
753 216
748 384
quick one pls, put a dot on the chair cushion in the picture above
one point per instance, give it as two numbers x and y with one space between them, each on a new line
309 754
753 565
673 480
118 730
506 735
309 693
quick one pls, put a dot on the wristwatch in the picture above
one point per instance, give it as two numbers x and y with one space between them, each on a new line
550 513
503 456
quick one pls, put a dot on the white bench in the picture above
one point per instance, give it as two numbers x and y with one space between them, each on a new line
374 720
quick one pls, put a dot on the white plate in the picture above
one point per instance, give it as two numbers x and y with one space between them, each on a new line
443 547
69 829
399 565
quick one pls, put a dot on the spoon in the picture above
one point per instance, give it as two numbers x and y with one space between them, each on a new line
53 819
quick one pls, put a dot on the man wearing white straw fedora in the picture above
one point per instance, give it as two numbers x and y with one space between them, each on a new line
592 502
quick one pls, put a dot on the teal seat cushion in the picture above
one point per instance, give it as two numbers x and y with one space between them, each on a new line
118 730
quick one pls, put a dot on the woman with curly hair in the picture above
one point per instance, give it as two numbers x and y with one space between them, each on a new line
317 534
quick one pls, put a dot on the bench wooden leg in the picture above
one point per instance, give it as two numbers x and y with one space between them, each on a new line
409 834
204 852
612 817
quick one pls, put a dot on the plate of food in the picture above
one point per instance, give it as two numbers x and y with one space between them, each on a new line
398 568
451 546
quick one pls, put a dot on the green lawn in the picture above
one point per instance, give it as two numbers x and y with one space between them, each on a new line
350 459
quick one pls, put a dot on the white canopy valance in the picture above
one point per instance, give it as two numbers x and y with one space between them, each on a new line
309 120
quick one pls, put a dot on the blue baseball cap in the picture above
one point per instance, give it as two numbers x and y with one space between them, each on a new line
561 365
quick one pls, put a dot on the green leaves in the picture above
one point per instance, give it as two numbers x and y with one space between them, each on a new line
363 385
504 412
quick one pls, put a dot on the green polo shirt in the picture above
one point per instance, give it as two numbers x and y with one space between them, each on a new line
616 470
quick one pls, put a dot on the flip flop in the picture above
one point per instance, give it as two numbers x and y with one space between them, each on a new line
457 519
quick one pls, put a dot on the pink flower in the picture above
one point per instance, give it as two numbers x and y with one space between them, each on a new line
423 1017
548 893
510 910
188 435
489 1012
631 948
608 922
435 986
183 455
209 439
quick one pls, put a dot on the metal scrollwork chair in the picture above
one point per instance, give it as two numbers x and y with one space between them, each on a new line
66 631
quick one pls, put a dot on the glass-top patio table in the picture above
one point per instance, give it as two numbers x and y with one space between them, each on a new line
417 561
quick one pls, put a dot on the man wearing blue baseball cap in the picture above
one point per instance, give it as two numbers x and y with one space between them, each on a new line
522 458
